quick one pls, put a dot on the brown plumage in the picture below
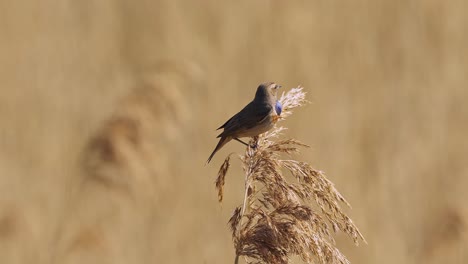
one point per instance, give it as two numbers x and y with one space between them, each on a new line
254 119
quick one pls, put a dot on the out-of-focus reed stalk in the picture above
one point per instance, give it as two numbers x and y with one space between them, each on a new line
278 217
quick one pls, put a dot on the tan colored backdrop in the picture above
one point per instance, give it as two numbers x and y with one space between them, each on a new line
108 110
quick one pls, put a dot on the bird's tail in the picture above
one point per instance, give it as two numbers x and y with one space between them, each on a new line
221 143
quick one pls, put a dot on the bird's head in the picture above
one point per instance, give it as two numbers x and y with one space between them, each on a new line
267 91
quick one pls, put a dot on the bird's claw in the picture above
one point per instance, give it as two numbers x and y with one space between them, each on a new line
254 143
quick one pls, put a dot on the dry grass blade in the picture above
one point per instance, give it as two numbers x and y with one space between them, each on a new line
221 177
276 220
234 220
292 99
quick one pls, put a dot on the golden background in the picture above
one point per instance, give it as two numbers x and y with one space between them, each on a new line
108 110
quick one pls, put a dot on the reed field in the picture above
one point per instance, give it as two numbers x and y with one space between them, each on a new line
108 111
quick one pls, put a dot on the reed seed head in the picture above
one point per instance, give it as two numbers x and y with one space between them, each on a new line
277 219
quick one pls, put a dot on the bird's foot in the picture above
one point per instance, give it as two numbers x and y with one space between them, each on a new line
254 142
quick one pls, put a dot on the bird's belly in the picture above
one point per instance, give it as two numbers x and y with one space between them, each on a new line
263 127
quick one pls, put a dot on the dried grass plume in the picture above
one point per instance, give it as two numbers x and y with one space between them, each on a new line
281 218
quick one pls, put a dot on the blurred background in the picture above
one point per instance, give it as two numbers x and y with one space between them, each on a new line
108 111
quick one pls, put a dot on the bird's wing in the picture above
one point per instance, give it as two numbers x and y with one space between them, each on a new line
225 123
250 116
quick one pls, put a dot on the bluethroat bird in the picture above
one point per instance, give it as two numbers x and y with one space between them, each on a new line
256 118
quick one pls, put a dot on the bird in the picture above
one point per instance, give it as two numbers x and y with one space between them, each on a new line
255 118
